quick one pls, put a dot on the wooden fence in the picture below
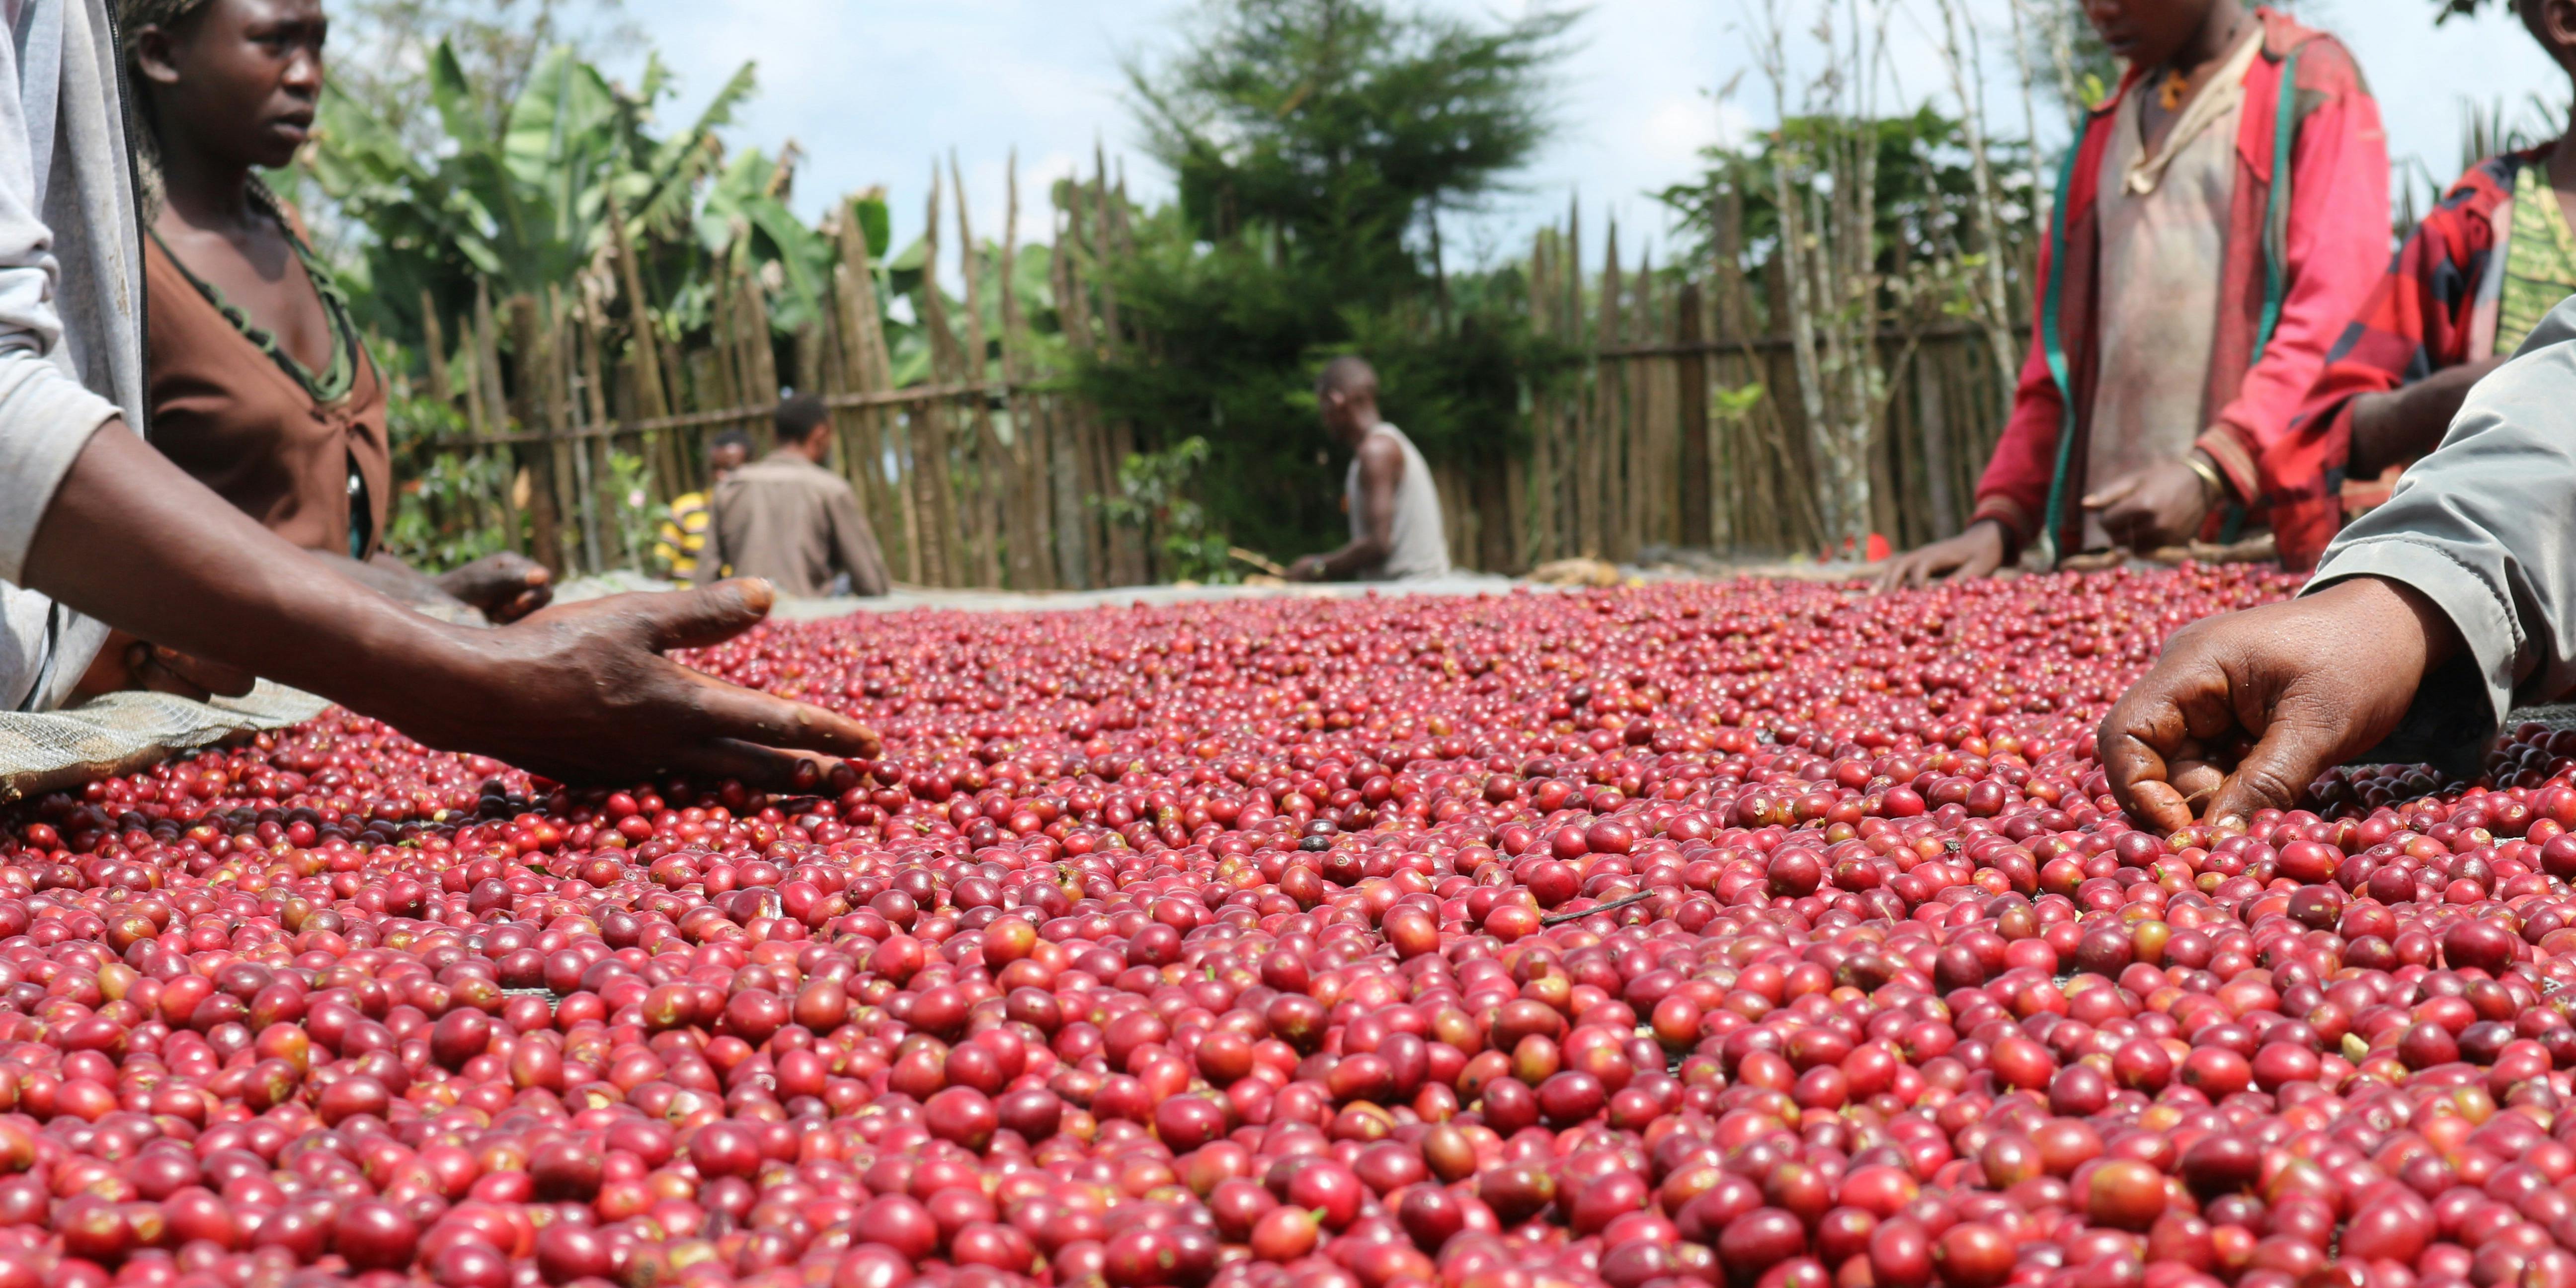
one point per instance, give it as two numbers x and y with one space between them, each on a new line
983 476
1681 427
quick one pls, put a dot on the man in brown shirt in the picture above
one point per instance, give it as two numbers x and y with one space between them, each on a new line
786 518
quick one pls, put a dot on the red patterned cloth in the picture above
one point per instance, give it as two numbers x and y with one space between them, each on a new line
2422 318
2333 247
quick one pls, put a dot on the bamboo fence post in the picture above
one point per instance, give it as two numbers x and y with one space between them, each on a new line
1078 543
724 355
760 361
496 408
434 339
942 559
985 446
1570 406
1459 521
1538 537
1647 488
1690 405
871 369
566 448
652 399
1100 246
594 373
1026 491
528 409
1128 563
470 356
1600 481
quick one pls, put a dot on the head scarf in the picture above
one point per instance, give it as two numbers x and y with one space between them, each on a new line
133 16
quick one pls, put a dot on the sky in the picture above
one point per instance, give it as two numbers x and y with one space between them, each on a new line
873 91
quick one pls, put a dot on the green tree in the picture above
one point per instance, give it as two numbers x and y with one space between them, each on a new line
1924 194
382 50
1314 145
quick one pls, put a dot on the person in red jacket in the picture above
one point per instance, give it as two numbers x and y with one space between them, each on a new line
2220 220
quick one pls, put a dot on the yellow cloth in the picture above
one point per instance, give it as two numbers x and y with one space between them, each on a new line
2540 264
684 534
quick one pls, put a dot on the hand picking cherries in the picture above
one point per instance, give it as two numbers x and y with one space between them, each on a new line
1743 934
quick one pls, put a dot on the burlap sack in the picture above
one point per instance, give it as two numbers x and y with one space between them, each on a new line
124 732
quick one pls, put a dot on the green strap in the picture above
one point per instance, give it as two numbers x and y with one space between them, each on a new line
2052 342
2276 251
2276 272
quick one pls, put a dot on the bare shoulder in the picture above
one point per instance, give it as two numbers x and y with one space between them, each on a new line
1382 454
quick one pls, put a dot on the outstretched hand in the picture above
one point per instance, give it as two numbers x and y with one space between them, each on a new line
504 586
1975 553
2244 711
2161 505
582 692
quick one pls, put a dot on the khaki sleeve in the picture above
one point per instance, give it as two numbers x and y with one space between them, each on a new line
854 544
2482 528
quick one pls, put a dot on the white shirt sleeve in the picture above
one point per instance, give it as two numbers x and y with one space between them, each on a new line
46 413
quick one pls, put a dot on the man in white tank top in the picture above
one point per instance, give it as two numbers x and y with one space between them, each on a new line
1395 510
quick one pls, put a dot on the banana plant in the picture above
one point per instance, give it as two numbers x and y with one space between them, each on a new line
524 207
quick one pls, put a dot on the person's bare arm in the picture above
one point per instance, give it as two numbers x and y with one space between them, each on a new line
391 577
2407 424
1381 470
579 691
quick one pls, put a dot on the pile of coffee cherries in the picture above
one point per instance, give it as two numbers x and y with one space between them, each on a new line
1744 934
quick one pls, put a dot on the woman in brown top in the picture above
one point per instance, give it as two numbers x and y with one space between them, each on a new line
260 385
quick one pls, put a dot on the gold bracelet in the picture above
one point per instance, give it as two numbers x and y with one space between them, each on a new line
2209 475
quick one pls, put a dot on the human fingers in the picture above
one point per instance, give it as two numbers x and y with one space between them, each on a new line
2164 715
1980 564
520 605
2197 780
698 618
2160 805
755 766
2294 747
725 711
2110 493
2128 743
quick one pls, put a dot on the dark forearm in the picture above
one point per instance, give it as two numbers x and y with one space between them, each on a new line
387 575
134 542
2406 424
1381 469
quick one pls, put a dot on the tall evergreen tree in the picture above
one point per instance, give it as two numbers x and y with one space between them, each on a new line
1314 145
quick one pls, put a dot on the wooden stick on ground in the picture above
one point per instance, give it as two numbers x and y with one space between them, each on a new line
1256 560
1626 901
